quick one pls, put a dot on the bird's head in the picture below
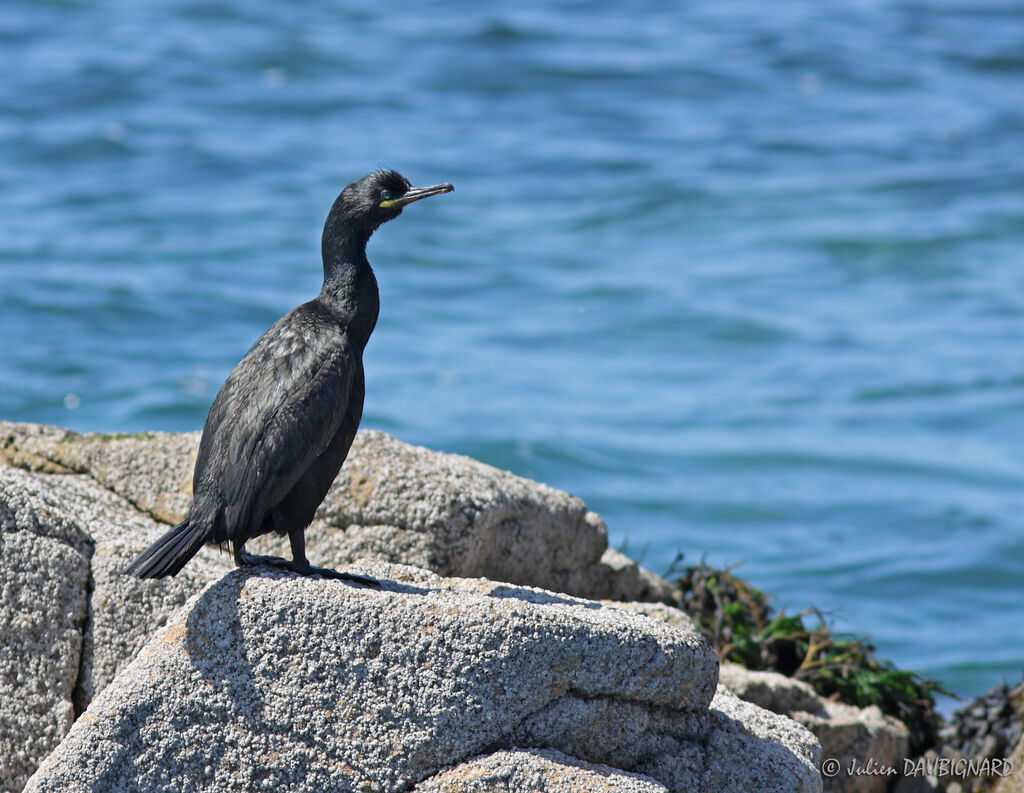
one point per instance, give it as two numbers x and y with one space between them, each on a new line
376 198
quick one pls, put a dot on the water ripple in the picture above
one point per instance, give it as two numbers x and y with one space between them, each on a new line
746 281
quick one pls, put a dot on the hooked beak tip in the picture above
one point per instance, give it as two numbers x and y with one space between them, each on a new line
416 193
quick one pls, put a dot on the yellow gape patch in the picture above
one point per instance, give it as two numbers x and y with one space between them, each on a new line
388 204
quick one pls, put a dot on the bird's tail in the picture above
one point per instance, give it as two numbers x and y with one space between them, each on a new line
170 553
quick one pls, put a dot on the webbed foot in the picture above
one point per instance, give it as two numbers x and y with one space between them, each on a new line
243 559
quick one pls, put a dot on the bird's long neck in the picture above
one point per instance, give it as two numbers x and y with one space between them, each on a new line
350 288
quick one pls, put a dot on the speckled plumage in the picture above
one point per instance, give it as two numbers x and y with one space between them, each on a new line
283 421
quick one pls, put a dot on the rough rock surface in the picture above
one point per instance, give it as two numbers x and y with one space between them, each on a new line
536 771
44 578
464 518
400 503
276 682
68 619
670 614
77 508
846 733
740 732
151 470
263 680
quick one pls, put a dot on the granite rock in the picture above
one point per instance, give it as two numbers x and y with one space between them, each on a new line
265 680
659 611
459 517
741 732
392 501
150 470
68 618
535 771
847 734
44 583
269 681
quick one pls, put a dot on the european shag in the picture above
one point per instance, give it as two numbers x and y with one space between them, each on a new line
284 420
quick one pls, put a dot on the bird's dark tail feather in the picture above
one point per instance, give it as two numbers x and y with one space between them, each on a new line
172 551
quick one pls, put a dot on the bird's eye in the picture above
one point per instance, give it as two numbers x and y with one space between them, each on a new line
385 195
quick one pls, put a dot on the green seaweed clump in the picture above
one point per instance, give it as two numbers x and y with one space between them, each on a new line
742 626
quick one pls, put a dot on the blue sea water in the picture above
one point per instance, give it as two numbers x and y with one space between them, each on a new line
747 277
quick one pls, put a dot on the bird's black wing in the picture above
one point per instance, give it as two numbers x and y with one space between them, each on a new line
276 413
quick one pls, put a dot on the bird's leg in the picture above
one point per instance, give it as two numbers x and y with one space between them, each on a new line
244 559
300 564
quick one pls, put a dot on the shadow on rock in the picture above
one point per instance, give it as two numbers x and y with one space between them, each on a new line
215 646
540 598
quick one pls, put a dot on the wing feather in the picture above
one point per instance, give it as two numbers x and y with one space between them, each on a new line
276 413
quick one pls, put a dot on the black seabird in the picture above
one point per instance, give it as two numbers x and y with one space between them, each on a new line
284 420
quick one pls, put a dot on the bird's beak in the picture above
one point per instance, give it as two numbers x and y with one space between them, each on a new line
416 193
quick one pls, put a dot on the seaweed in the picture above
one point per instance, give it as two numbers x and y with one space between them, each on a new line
743 627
